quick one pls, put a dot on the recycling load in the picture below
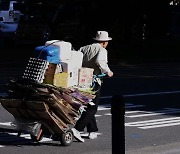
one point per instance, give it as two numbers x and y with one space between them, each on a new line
56 108
54 88
62 64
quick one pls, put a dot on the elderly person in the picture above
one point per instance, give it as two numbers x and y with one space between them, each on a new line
94 56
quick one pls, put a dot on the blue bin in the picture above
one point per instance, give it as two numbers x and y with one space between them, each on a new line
48 53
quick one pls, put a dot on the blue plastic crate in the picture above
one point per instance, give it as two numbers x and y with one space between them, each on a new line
48 53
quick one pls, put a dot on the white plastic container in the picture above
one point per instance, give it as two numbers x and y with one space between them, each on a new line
72 66
75 60
64 48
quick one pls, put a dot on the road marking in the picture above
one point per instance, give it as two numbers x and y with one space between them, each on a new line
144 94
27 136
133 106
156 93
129 112
83 134
108 106
24 136
157 126
104 107
6 123
108 114
97 115
153 113
147 124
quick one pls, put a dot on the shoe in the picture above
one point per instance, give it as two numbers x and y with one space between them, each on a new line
77 135
92 135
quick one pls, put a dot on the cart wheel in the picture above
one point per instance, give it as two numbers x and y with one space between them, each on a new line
37 138
66 138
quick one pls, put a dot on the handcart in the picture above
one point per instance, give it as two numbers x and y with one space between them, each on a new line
40 108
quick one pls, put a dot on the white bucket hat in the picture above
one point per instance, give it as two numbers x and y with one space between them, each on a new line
102 36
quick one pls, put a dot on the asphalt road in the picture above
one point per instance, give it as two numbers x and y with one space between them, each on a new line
151 95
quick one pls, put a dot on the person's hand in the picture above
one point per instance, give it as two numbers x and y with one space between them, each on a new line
110 74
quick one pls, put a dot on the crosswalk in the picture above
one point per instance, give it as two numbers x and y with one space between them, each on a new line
160 118
155 119
137 114
156 123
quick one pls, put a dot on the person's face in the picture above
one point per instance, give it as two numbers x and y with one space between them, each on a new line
105 44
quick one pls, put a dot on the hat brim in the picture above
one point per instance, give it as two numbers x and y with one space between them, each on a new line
108 39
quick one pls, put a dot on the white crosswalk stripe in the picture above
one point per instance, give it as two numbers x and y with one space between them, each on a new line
27 136
5 123
108 114
127 106
155 122
161 125
12 138
153 113
147 124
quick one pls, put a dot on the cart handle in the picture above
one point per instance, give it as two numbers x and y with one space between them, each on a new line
100 75
97 80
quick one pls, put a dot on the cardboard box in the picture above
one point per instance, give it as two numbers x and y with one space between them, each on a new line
51 68
60 79
58 68
72 72
49 74
56 77
66 79
48 78
85 77
64 74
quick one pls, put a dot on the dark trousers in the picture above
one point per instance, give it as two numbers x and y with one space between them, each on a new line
87 118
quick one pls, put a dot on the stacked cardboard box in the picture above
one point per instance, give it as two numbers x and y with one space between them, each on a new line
69 75
49 74
40 102
67 71
85 77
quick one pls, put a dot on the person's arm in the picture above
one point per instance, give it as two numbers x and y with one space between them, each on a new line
102 62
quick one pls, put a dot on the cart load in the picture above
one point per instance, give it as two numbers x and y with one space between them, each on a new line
52 92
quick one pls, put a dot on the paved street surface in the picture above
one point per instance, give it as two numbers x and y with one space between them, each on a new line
152 118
